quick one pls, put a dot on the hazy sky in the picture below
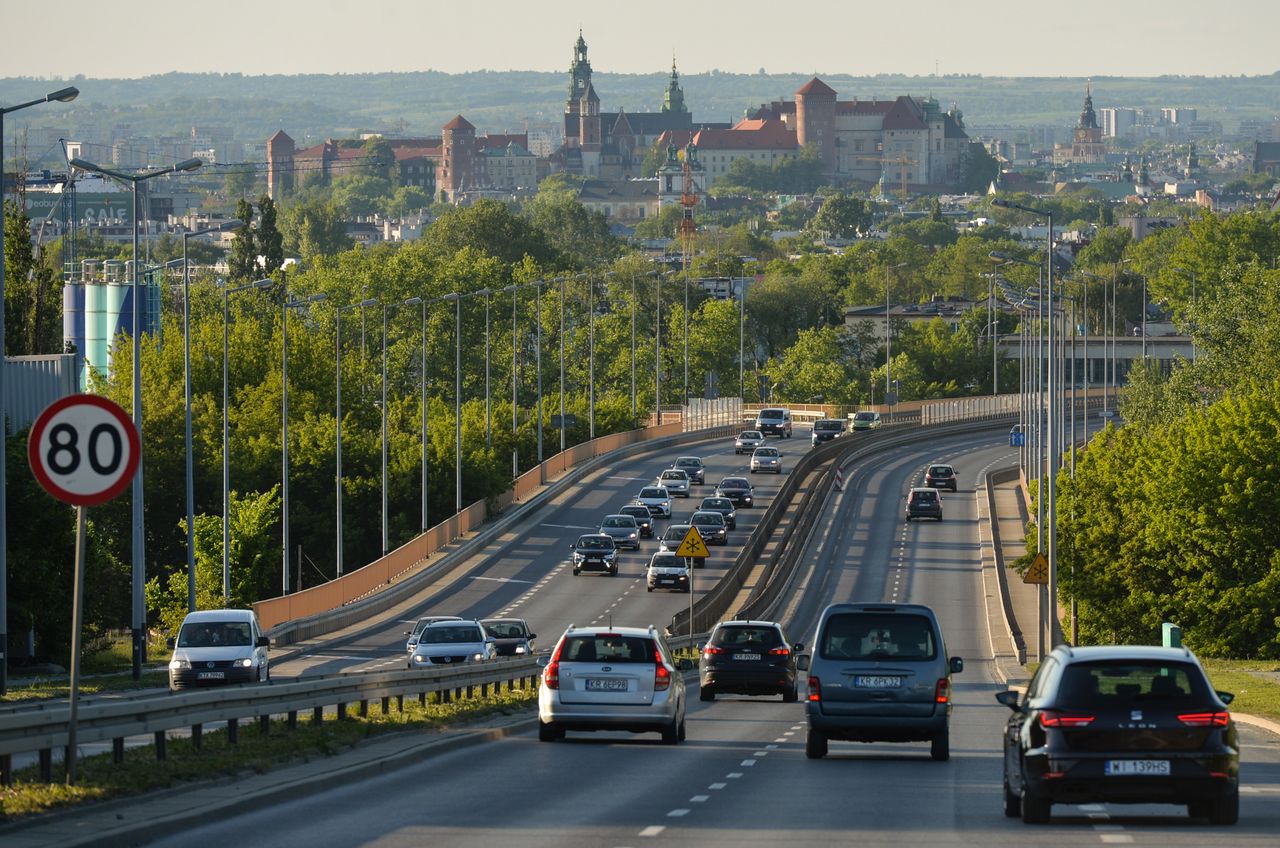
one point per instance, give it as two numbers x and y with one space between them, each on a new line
131 38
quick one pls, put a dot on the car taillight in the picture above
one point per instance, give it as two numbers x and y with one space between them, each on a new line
711 650
551 674
942 691
1053 718
661 677
1207 719
780 652
815 689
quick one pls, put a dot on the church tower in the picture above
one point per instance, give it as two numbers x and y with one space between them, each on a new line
673 99
1087 147
589 131
579 77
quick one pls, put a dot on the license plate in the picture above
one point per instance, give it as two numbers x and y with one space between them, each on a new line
746 657
1137 767
596 684
211 675
863 681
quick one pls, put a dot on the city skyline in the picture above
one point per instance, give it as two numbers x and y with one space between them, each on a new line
828 37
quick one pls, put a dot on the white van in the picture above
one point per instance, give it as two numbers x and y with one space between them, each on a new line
216 647
774 421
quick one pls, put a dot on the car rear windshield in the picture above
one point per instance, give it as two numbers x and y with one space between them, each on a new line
1118 684
506 629
873 636
214 634
925 497
450 635
742 637
940 471
610 648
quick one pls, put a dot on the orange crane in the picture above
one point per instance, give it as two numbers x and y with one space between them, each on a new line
902 160
688 201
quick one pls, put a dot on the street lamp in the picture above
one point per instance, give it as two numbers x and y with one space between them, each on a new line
226 453
657 352
634 411
561 281
139 538
284 426
515 380
337 332
62 95
413 301
887 343
457 400
186 404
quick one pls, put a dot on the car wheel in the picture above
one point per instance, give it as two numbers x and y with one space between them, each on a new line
548 732
648 588
266 674
671 733
940 746
815 744
789 695
1225 810
1012 803
908 518
576 572
1035 810
681 735
706 693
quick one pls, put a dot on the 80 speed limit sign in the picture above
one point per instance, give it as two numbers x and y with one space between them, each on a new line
84 449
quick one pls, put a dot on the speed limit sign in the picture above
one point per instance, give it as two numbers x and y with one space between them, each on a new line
84 449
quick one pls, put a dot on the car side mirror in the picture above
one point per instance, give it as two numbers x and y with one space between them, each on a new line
542 661
1010 699
1225 697
957 665
802 662
408 633
532 636
170 642
798 647
263 642
684 665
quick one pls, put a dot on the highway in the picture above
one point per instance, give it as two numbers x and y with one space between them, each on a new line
742 777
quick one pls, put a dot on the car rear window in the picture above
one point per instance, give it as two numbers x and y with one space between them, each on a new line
610 648
450 635
873 636
925 497
737 637
940 471
1119 684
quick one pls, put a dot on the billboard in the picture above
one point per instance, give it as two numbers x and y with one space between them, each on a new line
93 209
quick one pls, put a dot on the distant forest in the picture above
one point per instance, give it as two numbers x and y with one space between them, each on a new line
313 107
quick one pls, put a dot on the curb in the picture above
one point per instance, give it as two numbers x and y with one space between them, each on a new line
1001 640
1257 721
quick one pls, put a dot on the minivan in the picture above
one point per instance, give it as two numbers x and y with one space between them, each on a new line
216 647
879 673
774 422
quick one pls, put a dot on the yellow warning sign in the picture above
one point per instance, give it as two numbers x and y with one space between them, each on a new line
1039 570
693 546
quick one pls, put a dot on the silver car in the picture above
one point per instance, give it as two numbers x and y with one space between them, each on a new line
453 643
422 625
747 441
766 459
692 466
672 538
623 529
612 678
657 499
676 481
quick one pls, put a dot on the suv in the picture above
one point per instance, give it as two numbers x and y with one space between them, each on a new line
774 422
924 503
692 466
644 520
826 430
453 643
879 673
748 658
747 441
675 481
511 636
864 420
421 625
597 552
667 571
1122 724
940 475
614 678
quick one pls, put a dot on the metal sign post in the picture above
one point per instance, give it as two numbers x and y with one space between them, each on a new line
692 547
84 450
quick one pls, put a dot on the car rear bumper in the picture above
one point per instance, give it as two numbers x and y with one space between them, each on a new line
1073 780
877 728
748 682
638 718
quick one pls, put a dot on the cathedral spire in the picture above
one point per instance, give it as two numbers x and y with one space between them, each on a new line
673 98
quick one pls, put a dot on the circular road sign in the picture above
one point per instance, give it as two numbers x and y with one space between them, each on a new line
84 449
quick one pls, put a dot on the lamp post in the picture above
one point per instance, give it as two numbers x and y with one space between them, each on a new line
457 400
537 300
634 411
561 281
337 333
284 426
139 536
515 391
657 351
887 342
186 404
742 327
488 402
62 95
226 453
413 301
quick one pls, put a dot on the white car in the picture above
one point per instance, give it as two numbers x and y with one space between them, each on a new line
657 499
453 643
766 459
667 571
747 441
676 481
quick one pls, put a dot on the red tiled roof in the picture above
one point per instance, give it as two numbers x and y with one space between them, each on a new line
863 107
750 134
280 135
459 123
816 86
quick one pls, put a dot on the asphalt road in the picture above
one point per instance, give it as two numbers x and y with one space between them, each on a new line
741 778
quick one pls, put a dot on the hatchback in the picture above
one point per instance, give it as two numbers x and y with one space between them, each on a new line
453 643
644 520
692 466
748 658
595 552
879 673
511 636
615 678
675 481
939 476
724 506
826 430
924 503
736 489
622 529
1121 724
657 499
711 526
766 459
747 441
421 625
672 538
667 571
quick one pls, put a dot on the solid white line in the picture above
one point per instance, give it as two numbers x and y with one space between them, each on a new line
569 526
653 830
1101 827
1116 838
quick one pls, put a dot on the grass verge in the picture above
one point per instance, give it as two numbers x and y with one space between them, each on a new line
45 688
100 779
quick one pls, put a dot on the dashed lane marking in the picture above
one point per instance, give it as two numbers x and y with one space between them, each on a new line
734 775
678 812
747 763
699 799
717 786
653 830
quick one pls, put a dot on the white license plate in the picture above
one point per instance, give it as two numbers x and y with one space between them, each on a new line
746 657
596 684
1137 767
211 675
863 681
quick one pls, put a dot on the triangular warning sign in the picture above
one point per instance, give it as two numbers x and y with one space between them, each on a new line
693 546
1039 570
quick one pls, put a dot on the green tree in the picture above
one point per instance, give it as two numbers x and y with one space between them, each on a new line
819 366
407 200
240 181
489 226
840 216
270 241
578 234
242 264
979 169
32 296
313 228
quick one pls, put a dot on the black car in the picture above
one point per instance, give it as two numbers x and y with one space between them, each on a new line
748 658
644 520
1120 724
595 552
924 503
724 506
736 489
511 636
939 476
826 429
711 526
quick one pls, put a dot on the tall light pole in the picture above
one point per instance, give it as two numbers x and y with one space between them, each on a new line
337 380
139 535
634 411
226 441
742 328
186 404
62 95
537 308
386 535
488 401
457 401
657 352
888 387
515 381
284 426
561 281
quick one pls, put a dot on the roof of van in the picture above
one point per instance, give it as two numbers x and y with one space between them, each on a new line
220 615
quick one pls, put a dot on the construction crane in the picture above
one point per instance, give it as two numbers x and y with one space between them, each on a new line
902 161
688 202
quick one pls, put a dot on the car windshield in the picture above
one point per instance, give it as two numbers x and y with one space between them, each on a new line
864 416
215 634
751 434
595 543
675 532
450 635
688 463
717 504
673 474
770 413
826 425
747 637
1119 684
869 635
620 521
709 518
664 561
734 483
608 647
639 513
506 629
652 493
766 451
